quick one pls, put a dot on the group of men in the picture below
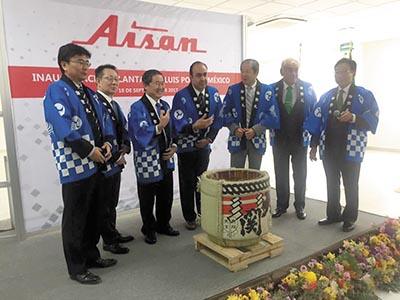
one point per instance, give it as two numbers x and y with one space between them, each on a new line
91 137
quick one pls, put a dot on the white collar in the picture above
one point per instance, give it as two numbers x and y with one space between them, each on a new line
152 101
198 92
285 85
108 98
346 89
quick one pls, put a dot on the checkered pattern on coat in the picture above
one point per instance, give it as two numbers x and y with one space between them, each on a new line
234 141
356 143
185 142
259 142
147 164
69 163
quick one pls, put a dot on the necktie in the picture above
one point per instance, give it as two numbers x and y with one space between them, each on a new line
340 100
115 109
249 103
201 101
158 107
289 99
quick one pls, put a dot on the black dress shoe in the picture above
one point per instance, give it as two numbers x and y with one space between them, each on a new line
348 226
278 212
301 214
101 263
150 238
327 221
124 239
86 278
169 231
115 248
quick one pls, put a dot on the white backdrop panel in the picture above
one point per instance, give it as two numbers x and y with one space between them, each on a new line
35 30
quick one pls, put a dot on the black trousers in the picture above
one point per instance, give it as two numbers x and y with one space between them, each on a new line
80 222
336 165
108 216
162 193
297 155
191 165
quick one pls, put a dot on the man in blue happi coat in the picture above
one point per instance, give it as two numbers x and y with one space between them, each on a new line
153 150
339 125
81 138
296 99
250 108
196 117
107 80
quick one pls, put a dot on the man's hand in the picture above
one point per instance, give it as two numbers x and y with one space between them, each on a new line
345 117
249 133
239 132
164 119
97 156
107 148
313 153
203 122
169 152
202 143
124 149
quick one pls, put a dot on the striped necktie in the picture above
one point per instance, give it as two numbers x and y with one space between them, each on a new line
249 103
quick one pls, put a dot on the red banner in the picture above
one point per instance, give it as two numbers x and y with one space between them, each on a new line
32 82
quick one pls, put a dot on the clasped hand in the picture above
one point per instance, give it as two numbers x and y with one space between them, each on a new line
249 133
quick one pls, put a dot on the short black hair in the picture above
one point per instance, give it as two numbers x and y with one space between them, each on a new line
67 51
99 70
351 63
195 63
147 76
254 64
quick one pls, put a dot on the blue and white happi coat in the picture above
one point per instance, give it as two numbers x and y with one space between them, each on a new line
307 96
186 111
264 112
146 150
67 121
363 105
111 167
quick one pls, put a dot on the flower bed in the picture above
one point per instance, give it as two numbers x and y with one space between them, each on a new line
352 272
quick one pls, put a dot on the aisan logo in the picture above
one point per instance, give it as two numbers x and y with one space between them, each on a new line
156 39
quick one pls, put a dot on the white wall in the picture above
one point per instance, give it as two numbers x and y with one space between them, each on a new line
317 47
381 75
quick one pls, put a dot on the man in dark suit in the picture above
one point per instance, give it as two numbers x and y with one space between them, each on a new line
107 80
295 101
339 125
150 133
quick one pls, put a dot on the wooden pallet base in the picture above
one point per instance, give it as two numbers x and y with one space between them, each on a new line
236 259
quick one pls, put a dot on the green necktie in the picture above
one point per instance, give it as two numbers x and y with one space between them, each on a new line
340 100
289 99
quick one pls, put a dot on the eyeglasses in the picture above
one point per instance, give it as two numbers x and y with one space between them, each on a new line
111 78
82 62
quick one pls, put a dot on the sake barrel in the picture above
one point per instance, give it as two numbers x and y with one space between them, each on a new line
235 206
